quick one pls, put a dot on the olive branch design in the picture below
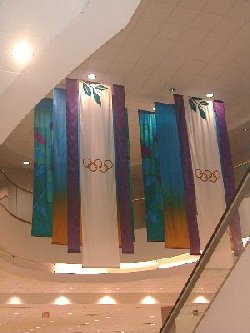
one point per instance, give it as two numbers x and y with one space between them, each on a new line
96 90
195 102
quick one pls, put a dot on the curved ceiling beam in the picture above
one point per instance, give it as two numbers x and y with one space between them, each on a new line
99 21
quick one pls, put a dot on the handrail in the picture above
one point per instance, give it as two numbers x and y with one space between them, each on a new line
13 215
205 256
13 183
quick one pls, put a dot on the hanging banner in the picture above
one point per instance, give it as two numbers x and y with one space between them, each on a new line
176 224
205 156
151 177
59 235
188 177
123 170
227 171
73 181
43 182
97 177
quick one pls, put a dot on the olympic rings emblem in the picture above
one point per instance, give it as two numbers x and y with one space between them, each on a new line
97 164
207 175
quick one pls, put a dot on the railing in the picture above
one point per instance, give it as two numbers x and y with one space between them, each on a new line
15 200
213 268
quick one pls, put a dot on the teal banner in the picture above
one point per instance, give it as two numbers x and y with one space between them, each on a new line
43 182
176 224
154 205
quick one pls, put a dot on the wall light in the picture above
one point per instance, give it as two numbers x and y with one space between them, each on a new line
107 300
14 300
148 300
201 300
62 300
26 162
22 53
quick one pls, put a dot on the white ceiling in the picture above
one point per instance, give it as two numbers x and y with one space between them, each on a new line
25 19
195 46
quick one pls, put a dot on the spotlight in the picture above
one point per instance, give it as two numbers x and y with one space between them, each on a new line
209 95
91 76
22 53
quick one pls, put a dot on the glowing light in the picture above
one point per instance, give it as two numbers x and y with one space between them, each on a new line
91 76
26 162
107 300
148 300
14 300
22 53
201 300
62 300
178 260
209 95
129 267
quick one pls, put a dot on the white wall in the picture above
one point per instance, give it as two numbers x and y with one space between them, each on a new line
230 311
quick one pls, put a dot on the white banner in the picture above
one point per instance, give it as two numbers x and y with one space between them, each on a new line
97 177
209 187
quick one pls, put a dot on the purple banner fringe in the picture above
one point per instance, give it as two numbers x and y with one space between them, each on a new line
122 170
227 171
73 181
188 176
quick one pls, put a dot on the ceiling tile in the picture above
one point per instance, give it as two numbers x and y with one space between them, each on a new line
229 26
240 10
206 21
221 7
183 16
193 4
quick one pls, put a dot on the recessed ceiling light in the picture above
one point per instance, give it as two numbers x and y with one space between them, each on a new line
86 323
91 76
70 313
152 324
97 320
22 53
245 129
107 317
37 326
172 90
26 162
209 95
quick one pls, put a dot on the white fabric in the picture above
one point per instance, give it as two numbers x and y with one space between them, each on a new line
210 196
98 190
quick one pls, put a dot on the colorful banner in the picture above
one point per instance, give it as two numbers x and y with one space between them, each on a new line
59 235
176 225
43 182
73 181
97 177
188 177
227 171
208 179
151 176
123 170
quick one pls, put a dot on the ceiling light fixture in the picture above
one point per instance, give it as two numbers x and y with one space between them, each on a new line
209 95
172 90
91 76
22 53
153 108
245 129
26 162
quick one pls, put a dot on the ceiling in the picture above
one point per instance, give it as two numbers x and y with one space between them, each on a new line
194 46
